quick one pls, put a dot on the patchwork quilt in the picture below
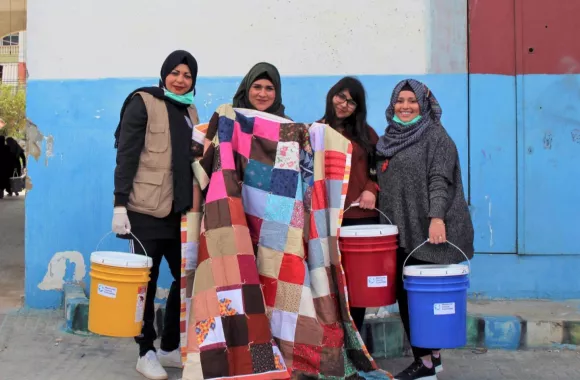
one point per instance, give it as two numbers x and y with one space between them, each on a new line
263 289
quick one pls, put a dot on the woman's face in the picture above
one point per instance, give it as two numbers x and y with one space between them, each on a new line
179 80
344 106
407 107
262 94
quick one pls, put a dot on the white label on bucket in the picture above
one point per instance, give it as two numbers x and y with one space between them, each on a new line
376 281
107 291
444 308
139 310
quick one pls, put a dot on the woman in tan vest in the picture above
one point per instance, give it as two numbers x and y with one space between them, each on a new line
153 188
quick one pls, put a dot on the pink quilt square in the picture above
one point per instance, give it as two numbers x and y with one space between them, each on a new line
217 188
227 156
267 129
241 142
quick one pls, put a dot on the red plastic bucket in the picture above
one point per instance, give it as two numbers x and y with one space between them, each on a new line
369 258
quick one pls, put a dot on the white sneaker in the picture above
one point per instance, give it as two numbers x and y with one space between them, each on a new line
170 359
149 367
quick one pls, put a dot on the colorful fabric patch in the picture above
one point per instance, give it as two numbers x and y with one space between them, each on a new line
248 269
209 332
253 300
262 358
227 156
235 330
231 302
279 209
321 222
288 156
307 303
254 201
225 271
225 129
273 235
241 142
258 175
288 297
283 325
267 129
214 363
284 182
309 331
269 288
332 361
259 328
217 188
246 124
307 358
333 335
263 151
334 163
292 270
217 214
319 199
297 220
269 262
240 361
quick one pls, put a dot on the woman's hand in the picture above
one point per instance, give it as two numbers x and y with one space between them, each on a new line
366 200
437 233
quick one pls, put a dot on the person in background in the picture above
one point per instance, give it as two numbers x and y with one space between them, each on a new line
346 112
421 191
17 161
261 90
153 188
5 166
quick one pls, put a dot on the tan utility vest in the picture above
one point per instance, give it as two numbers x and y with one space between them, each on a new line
152 192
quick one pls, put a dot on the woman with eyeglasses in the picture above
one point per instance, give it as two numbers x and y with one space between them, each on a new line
346 112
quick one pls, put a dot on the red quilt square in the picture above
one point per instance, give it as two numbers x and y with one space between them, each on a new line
334 163
259 329
248 269
255 226
307 358
312 230
203 253
237 211
292 269
319 201
240 361
333 335
269 287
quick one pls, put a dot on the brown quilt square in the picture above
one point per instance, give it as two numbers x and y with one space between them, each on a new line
259 329
236 330
263 150
217 214
263 357
237 213
221 242
204 280
333 250
226 271
309 331
287 350
332 362
214 363
331 279
231 181
326 309
240 361
253 299
290 132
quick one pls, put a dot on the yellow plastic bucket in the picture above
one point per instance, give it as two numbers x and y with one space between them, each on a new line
118 291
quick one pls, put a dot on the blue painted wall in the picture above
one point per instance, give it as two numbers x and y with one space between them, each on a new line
69 208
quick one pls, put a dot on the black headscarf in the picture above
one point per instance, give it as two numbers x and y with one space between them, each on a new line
179 129
262 70
171 62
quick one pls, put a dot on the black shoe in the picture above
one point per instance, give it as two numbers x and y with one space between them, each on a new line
417 371
437 363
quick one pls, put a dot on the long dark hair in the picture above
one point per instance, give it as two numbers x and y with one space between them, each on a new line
355 125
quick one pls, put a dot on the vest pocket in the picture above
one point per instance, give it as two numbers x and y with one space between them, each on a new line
146 192
157 140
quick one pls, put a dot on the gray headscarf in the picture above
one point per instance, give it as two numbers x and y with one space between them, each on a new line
259 71
397 136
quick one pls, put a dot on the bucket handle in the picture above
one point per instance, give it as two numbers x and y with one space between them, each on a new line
448 242
134 237
358 204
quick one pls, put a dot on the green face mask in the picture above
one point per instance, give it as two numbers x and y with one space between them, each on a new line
184 99
406 123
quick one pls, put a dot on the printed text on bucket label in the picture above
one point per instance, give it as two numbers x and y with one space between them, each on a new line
444 308
107 291
376 281
139 310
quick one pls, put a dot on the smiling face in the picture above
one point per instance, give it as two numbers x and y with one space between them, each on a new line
407 107
179 80
344 105
262 94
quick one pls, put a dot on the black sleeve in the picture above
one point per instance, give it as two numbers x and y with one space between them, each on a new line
23 158
131 141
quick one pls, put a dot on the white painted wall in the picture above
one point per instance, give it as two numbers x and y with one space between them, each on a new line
130 38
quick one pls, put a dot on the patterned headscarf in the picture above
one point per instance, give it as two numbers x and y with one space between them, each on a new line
398 137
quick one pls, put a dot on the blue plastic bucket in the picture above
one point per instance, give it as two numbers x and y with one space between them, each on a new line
437 305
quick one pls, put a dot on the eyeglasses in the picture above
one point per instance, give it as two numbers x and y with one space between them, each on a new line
349 102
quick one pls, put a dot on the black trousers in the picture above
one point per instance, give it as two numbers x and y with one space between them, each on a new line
170 337
358 313
403 300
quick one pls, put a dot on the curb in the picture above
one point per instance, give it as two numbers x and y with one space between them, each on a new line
386 336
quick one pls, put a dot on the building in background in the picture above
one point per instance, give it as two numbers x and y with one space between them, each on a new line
12 59
511 102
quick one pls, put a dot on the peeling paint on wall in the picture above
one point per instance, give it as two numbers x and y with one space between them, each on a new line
34 140
54 278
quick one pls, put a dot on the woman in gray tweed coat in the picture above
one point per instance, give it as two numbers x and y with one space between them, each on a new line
421 191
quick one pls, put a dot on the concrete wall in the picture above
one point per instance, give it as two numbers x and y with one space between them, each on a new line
75 94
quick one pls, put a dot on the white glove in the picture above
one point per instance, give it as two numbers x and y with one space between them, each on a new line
121 223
